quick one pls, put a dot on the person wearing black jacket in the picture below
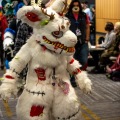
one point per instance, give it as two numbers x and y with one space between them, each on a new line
79 26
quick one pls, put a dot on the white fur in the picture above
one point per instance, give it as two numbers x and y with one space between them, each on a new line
84 82
72 67
8 34
8 41
56 103
58 5
9 87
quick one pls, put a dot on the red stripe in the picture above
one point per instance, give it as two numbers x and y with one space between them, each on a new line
44 48
36 110
9 77
61 14
71 61
84 67
77 71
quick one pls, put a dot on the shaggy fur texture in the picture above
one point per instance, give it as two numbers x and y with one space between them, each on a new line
8 39
48 94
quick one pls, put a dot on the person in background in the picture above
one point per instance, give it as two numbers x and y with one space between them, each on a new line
92 27
14 38
3 26
17 33
79 26
11 33
113 72
113 50
109 38
3 3
86 9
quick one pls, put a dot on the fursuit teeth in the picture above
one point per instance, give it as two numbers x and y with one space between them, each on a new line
59 45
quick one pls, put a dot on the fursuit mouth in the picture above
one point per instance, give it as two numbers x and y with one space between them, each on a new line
59 45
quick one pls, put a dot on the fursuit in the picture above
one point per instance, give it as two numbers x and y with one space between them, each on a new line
47 94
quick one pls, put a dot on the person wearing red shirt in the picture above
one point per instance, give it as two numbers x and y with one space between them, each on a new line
80 26
3 26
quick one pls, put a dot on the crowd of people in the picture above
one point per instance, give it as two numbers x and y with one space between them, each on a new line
102 59
14 33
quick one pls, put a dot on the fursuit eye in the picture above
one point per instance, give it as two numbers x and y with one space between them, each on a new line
57 34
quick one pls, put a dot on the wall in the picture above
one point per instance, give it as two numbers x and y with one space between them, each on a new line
106 10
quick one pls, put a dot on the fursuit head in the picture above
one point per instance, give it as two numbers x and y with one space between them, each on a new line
47 94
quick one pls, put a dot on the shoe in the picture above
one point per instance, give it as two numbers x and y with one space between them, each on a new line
116 79
108 75
102 69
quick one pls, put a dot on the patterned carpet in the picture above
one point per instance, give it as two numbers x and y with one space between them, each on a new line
102 104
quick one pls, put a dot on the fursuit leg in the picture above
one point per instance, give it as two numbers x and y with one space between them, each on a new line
66 106
32 107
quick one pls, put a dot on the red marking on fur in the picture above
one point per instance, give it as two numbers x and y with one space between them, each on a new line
77 71
44 48
44 37
61 14
67 89
84 67
9 77
57 45
64 87
40 73
32 16
71 61
36 110
37 41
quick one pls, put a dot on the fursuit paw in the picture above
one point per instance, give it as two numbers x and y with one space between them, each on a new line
8 89
84 82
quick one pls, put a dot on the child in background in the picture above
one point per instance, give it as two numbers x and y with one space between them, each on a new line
114 70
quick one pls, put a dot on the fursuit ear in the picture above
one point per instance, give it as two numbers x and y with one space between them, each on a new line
59 6
32 15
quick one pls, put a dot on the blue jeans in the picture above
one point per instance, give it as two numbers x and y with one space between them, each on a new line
92 38
81 54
